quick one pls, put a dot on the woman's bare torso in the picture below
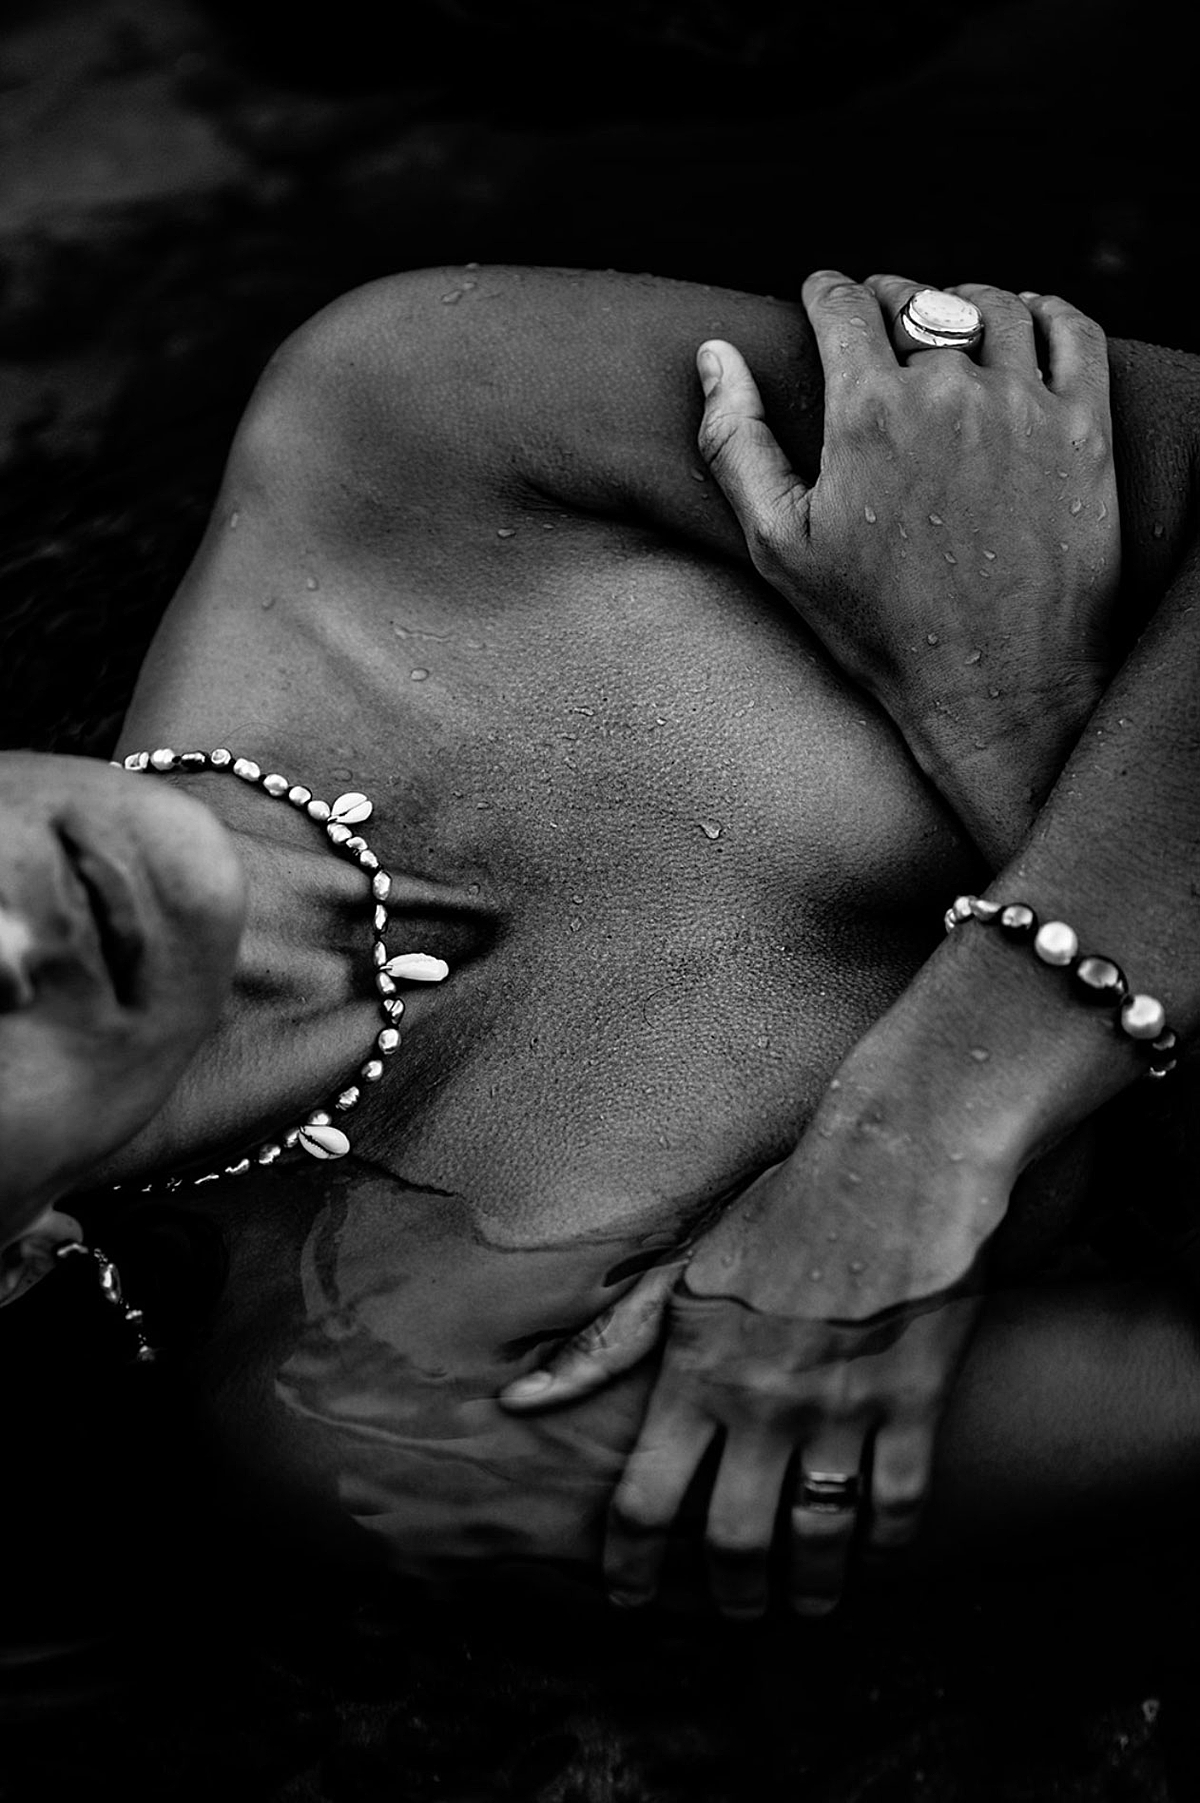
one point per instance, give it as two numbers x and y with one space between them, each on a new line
678 867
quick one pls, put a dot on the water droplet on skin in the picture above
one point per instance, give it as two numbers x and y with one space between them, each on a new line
991 556
949 556
980 1054
983 570
266 602
697 475
935 519
762 1043
903 533
994 694
547 526
474 644
455 294
1102 511
1076 506
857 1267
1063 545
472 888
816 1274
574 923
234 517
506 532
870 515
835 1082
467 286
312 583
931 638
972 657
470 266
418 675
853 1177
1063 474
1159 528
832 1235
711 829
1029 431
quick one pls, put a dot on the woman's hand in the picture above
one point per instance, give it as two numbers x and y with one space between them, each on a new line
817 1328
959 554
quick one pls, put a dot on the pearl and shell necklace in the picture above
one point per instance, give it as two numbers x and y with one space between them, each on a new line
317 1134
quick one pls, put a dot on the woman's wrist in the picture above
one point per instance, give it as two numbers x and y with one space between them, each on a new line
994 759
1002 1053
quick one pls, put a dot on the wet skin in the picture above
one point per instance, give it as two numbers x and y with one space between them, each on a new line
676 863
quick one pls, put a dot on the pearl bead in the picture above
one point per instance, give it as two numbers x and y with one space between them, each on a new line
247 769
1142 1017
1098 979
221 758
1056 943
388 1041
318 810
381 885
371 1071
985 911
299 796
275 785
193 760
137 760
163 759
338 835
380 919
1018 921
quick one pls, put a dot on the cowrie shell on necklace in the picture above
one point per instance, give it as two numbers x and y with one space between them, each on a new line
417 967
324 1142
351 809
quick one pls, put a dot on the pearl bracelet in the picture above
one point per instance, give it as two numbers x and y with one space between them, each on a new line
1094 978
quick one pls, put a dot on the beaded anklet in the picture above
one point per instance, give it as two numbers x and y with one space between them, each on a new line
1095 978
316 1134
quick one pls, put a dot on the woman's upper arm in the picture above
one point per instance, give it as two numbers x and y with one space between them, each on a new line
567 388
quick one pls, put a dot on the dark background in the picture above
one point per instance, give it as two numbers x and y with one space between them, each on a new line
181 184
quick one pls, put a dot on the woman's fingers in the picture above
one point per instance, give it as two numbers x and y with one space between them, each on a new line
824 1519
1009 340
1077 348
739 447
900 1475
851 334
672 1443
616 1340
741 1522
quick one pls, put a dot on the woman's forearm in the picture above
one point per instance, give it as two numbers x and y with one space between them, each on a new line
1115 852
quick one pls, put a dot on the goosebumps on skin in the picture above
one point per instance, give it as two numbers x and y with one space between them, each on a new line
676 862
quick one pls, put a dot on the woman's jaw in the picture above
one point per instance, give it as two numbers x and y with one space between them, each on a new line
122 903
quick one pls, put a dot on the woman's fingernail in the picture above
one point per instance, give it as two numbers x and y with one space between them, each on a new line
708 367
534 1383
1028 294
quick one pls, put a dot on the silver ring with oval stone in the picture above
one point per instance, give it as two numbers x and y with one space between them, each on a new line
932 320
